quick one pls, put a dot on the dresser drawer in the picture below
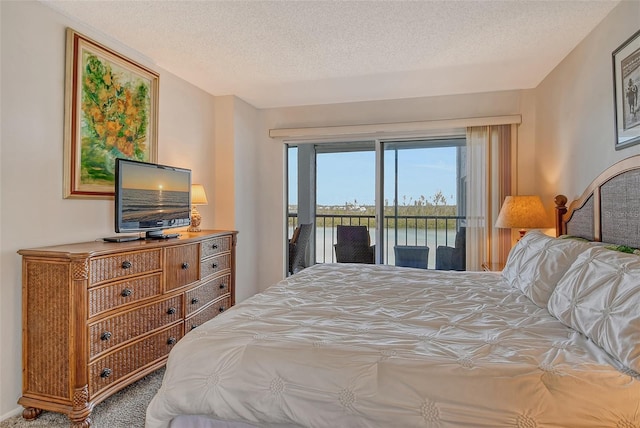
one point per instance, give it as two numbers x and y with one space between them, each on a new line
207 313
205 293
117 329
182 265
106 268
112 367
105 297
216 245
216 264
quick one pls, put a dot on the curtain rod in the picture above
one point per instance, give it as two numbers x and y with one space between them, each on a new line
391 128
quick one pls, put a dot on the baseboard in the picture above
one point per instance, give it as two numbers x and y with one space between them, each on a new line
14 412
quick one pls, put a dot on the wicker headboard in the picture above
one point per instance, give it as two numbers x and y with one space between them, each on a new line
609 210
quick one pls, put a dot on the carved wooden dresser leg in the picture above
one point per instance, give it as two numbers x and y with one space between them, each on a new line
30 413
80 415
86 423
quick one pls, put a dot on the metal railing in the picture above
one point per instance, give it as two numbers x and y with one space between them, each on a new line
431 231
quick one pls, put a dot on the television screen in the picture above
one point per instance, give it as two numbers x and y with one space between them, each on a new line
150 197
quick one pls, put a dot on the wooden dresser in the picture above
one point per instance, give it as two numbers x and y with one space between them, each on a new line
97 316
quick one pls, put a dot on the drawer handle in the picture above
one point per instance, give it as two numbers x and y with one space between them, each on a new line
222 286
172 341
194 326
126 292
214 265
126 264
214 246
105 373
171 311
194 300
185 266
105 336
221 309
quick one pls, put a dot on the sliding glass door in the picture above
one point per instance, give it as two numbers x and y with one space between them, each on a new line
423 199
406 193
345 193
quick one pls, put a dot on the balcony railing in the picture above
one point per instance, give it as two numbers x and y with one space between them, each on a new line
398 230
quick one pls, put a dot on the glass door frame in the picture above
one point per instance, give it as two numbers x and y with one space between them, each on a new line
413 143
378 144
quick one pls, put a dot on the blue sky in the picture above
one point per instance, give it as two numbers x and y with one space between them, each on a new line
345 177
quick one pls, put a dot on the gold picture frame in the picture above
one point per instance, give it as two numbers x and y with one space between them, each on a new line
626 92
111 111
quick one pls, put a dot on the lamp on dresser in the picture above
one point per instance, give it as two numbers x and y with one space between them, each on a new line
198 197
522 212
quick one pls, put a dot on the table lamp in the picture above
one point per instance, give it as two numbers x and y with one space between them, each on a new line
522 212
198 197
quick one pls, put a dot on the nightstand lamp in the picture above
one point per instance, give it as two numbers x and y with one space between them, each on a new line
522 212
198 197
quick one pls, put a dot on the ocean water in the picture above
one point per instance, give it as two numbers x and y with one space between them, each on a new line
145 205
325 238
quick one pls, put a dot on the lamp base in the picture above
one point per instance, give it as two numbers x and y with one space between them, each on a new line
195 220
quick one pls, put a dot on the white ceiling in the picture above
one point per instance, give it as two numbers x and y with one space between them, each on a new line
285 53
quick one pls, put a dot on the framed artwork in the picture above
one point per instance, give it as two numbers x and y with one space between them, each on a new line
111 111
626 92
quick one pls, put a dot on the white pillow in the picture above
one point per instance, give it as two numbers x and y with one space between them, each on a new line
599 296
537 262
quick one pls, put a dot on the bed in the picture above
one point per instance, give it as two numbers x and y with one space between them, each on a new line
552 341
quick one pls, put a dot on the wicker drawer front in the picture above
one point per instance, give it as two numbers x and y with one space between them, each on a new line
182 265
111 296
113 367
214 246
114 330
124 264
207 313
216 264
205 293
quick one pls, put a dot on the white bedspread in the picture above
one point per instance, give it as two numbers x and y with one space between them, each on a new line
341 345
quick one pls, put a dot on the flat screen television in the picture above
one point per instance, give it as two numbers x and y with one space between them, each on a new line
151 198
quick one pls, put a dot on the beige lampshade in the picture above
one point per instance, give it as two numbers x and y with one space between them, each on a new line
198 195
522 212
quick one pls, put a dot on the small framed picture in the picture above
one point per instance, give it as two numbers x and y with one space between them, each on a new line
626 92
111 111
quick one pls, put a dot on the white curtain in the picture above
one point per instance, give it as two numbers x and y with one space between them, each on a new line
489 180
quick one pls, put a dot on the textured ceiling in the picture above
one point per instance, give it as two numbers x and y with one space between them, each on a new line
285 53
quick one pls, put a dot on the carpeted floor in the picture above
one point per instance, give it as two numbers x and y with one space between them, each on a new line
127 408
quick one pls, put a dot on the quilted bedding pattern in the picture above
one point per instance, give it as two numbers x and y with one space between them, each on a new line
341 345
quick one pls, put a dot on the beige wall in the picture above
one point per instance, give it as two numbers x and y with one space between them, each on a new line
575 132
223 171
247 188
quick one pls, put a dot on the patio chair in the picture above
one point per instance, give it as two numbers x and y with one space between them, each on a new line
415 256
453 258
353 245
298 247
